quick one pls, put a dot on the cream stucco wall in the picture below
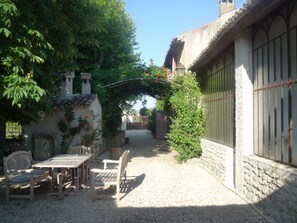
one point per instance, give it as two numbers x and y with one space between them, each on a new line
48 125
195 41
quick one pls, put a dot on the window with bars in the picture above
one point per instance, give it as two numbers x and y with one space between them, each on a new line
275 87
13 130
218 99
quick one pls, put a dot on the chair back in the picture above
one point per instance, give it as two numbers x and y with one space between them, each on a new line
19 160
123 163
80 150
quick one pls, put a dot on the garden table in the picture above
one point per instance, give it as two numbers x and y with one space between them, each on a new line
66 161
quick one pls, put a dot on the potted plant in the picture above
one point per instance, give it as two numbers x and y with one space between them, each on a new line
114 152
115 145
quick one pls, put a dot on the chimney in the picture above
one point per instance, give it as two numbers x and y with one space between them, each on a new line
249 1
85 83
67 84
226 6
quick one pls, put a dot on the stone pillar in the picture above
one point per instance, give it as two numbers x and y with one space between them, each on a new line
243 103
67 84
85 83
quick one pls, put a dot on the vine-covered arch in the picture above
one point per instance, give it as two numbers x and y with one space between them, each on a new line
116 95
154 87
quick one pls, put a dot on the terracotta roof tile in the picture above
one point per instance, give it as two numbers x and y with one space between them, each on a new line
76 100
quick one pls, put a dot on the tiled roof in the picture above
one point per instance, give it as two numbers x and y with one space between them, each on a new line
76 100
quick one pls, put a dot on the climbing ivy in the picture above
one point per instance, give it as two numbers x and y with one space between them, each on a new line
186 116
69 130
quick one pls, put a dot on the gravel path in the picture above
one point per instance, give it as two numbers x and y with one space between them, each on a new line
160 190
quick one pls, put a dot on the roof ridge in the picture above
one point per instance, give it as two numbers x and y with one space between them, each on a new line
75 100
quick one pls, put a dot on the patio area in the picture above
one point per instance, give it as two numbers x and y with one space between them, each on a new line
159 190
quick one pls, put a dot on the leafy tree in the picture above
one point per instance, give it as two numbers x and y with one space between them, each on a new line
39 39
21 47
144 111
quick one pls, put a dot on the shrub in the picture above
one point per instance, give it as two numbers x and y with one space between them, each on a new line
187 118
152 122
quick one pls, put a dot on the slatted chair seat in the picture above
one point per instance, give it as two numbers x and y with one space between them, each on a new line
110 177
106 178
25 177
18 171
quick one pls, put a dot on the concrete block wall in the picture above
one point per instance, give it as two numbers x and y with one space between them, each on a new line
271 187
218 159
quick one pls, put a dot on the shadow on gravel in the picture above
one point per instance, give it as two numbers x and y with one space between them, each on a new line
106 211
131 183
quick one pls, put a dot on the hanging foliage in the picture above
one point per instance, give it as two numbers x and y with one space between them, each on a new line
187 118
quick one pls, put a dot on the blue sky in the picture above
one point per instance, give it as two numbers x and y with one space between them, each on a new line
159 21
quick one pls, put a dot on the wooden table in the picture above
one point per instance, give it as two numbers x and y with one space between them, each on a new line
66 161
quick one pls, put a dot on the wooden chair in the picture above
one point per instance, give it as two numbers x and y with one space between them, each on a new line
110 177
82 150
79 150
18 171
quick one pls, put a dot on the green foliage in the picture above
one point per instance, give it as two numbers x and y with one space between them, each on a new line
89 134
21 47
144 111
18 89
39 39
152 122
187 119
69 130
157 72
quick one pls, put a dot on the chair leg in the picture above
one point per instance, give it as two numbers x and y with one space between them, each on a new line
93 187
31 191
118 193
7 192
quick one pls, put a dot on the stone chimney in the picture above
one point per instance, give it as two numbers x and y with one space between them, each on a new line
249 1
226 6
85 83
67 84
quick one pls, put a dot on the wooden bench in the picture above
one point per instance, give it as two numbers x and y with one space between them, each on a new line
18 171
110 177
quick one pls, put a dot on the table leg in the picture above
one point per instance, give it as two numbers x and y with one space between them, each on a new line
51 175
84 173
60 183
72 175
75 180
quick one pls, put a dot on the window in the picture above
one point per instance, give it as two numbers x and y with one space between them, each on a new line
13 130
275 88
218 99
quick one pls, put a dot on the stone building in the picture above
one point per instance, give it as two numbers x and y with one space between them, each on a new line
248 73
44 137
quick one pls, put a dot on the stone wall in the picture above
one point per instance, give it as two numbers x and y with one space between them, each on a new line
271 187
218 159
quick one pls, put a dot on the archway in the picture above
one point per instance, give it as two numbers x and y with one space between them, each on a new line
120 91
154 87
